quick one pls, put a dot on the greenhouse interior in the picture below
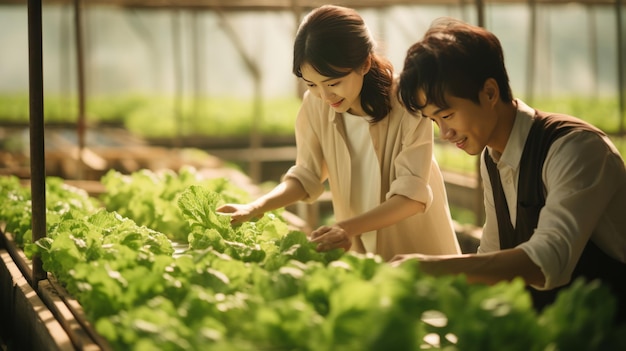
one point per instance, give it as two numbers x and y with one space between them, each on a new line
124 124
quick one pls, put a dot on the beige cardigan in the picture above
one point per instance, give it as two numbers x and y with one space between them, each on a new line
404 146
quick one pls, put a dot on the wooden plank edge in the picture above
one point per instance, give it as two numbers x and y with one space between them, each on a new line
18 256
71 316
43 326
54 296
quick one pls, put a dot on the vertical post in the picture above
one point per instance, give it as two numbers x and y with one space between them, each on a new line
532 44
179 116
197 60
37 152
593 48
256 137
80 67
480 12
479 201
620 67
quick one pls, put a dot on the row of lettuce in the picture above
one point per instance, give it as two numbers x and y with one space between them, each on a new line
154 267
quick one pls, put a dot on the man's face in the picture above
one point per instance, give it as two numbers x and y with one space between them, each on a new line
464 123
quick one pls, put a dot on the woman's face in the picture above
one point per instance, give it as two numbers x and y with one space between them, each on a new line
342 94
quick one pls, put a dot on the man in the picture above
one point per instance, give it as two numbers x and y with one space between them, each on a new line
554 186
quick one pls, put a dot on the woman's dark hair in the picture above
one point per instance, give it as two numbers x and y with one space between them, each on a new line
334 40
454 58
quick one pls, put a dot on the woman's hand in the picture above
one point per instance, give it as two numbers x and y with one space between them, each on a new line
239 213
331 237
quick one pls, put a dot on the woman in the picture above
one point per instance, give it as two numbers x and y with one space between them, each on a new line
387 190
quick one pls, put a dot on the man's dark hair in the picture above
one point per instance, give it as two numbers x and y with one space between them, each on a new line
453 58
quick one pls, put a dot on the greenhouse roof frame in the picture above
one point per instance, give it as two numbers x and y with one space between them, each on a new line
259 5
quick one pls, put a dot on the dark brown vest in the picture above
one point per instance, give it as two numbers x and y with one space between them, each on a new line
594 263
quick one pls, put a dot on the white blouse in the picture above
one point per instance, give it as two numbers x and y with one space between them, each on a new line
365 192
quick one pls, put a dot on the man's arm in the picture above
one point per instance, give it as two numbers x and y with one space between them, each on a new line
489 268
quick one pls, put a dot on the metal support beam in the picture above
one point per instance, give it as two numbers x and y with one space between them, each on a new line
531 55
480 12
37 152
80 74
621 66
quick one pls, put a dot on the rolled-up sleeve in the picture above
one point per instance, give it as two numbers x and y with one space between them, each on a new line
310 168
578 194
309 180
413 163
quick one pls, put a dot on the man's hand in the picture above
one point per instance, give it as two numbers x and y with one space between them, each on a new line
399 259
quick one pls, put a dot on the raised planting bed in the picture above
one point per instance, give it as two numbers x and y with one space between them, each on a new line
35 320
262 285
